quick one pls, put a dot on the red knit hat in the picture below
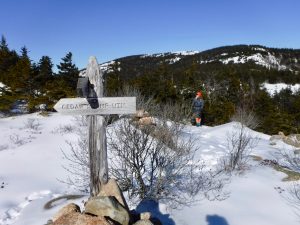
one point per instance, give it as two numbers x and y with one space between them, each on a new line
199 93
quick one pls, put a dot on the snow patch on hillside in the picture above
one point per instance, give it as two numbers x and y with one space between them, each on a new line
3 87
268 61
259 49
186 53
276 88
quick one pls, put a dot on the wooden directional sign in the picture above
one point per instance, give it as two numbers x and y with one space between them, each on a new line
96 106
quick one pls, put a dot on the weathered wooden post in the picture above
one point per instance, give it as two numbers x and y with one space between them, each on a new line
96 131
94 105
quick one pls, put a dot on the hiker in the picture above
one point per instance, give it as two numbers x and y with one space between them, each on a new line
198 104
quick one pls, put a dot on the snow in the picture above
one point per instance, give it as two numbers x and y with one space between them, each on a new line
269 61
276 88
174 60
105 67
3 87
186 52
259 49
31 163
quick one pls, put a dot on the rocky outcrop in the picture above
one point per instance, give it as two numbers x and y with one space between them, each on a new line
76 218
142 117
70 208
143 222
108 207
112 189
292 139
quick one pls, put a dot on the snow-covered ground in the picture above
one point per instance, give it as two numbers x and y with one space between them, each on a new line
31 166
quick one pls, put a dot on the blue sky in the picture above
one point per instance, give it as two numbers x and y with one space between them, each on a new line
115 28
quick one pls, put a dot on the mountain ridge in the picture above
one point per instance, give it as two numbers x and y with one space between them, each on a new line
221 53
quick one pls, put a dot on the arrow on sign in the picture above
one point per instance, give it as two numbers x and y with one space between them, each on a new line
96 106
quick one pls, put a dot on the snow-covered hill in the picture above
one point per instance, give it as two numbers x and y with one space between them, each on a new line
270 58
31 163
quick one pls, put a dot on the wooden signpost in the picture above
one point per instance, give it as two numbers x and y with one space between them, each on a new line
94 105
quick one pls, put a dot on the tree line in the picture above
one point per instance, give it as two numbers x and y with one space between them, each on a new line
225 87
34 82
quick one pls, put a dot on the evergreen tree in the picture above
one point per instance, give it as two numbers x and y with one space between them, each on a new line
3 44
68 71
7 59
44 71
24 53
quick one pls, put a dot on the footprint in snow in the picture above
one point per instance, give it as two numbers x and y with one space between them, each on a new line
12 214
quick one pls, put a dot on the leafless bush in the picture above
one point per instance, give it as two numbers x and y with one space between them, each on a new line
64 129
78 157
240 141
294 197
78 165
151 162
32 124
246 117
290 159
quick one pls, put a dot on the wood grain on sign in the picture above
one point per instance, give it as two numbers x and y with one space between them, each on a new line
96 106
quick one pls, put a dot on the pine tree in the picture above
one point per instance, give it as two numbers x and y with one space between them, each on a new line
68 71
21 75
44 72
7 59
3 44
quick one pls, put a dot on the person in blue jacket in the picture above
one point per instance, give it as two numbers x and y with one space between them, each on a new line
198 104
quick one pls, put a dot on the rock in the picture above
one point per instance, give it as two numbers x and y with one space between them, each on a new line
108 207
76 218
292 139
70 208
147 121
143 222
112 189
278 137
145 216
141 113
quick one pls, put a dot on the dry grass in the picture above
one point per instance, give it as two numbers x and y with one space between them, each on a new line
291 175
256 158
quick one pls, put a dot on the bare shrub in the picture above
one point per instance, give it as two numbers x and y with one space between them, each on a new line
78 165
240 141
64 129
78 157
32 124
290 159
294 197
151 162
